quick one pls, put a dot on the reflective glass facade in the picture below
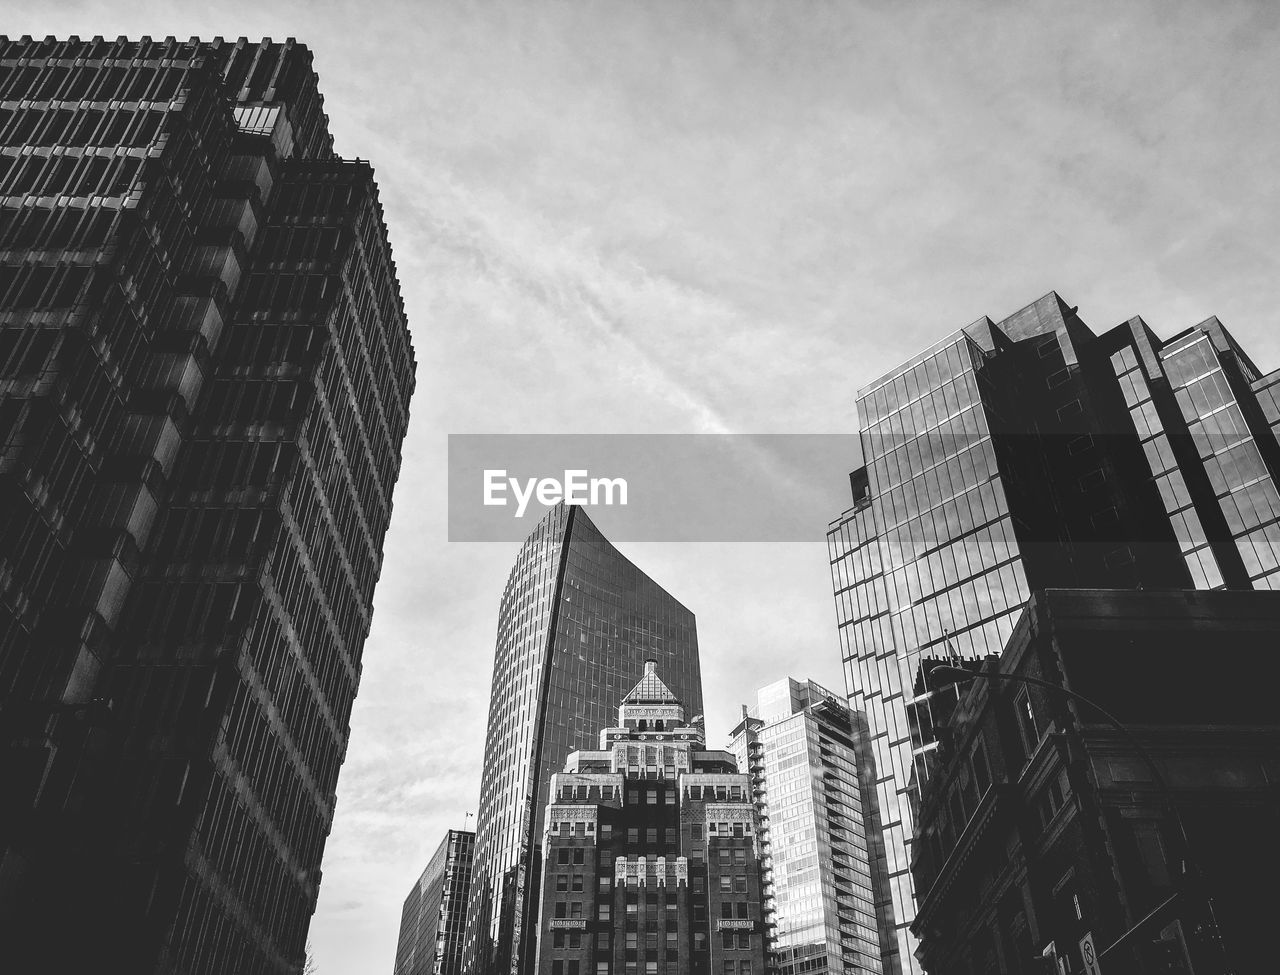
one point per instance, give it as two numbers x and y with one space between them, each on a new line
823 873
1034 453
434 918
576 624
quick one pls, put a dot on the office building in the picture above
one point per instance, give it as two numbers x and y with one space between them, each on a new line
650 859
1045 832
576 623
435 912
817 829
1034 453
205 374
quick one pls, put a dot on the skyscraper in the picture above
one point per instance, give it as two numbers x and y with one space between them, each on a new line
651 862
806 753
205 374
1027 454
576 624
435 912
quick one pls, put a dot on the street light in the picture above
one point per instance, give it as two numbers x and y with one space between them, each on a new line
944 675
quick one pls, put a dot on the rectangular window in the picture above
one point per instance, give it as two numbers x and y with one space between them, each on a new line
1027 722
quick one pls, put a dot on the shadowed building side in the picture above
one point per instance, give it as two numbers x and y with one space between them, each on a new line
205 374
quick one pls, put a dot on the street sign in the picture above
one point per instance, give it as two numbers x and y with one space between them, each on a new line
1090 955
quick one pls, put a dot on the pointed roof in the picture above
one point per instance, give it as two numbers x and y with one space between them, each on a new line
650 690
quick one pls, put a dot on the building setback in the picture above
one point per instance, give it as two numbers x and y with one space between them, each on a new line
576 623
435 912
205 374
650 862
1043 827
818 830
1034 453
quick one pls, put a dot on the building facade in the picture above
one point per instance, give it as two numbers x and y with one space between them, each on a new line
817 829
576 623
1044 829
650 857
435 912
1035 453
205 374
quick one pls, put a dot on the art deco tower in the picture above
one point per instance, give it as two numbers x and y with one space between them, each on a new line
205 373
1033 453
576 624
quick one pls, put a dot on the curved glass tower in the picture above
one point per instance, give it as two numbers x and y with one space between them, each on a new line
576 624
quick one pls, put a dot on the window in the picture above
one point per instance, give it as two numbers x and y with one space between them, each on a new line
562 881
561 907
981 772
605 911
651 797
739 855
651 834
1027 722
577 882
557 967
697 831
726 882
575 908
562 856
557 939
579 855
604 882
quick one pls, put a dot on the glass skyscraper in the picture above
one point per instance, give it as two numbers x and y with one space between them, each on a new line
1027 454
807 756
577 622
434 919
205 374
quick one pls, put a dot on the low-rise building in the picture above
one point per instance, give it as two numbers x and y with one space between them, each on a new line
1048 836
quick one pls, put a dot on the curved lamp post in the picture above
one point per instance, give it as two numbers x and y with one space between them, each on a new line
945 675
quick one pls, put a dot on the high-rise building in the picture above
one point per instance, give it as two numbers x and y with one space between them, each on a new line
576 623
650 860
820 849
1045 830
205 374
1027 454
435 912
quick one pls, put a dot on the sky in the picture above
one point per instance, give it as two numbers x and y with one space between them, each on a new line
709 217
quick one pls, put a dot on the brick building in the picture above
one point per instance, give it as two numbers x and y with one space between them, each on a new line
1043 828
650 862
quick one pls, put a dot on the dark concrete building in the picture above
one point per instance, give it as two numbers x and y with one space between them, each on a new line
205 373
435 912
650 857
1034 453
1043 828
576 624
